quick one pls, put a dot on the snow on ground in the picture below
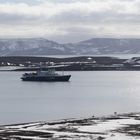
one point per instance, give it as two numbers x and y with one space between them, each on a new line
118 127
118 136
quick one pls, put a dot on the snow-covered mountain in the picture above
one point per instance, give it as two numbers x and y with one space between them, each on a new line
30 46
109 46
40 46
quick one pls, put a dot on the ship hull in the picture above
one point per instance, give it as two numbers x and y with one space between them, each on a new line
61 78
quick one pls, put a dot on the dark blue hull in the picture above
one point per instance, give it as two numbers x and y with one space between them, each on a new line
61 78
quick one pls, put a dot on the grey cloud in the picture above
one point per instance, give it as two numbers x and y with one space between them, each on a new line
70 16
95 18
76 20
30 2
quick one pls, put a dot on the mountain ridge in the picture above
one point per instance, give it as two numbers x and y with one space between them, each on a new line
93 46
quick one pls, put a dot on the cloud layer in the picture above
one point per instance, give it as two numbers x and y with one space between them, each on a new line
66 21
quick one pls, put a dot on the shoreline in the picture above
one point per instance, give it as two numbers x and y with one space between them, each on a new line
77 63
113 127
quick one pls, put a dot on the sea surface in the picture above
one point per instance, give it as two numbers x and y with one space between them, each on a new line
86 94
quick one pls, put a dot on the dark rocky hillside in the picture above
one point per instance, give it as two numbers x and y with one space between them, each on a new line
81 63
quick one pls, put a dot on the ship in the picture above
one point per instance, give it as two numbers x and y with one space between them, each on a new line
45 75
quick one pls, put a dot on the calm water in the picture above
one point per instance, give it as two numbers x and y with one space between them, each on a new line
87 93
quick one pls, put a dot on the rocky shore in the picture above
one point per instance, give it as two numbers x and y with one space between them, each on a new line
115 127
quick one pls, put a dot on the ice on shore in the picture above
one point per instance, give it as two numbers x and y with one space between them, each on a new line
117 127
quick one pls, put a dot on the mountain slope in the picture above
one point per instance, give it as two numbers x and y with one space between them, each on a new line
40 46
109 46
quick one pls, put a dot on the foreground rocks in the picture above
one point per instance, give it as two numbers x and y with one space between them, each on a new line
116 127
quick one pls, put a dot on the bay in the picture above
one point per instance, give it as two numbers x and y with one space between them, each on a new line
87 93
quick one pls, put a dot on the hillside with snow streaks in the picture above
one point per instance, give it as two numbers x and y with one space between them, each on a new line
41 46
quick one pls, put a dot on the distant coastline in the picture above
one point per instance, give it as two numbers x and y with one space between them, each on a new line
75 63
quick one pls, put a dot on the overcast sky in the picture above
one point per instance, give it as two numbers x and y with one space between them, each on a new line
69 20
